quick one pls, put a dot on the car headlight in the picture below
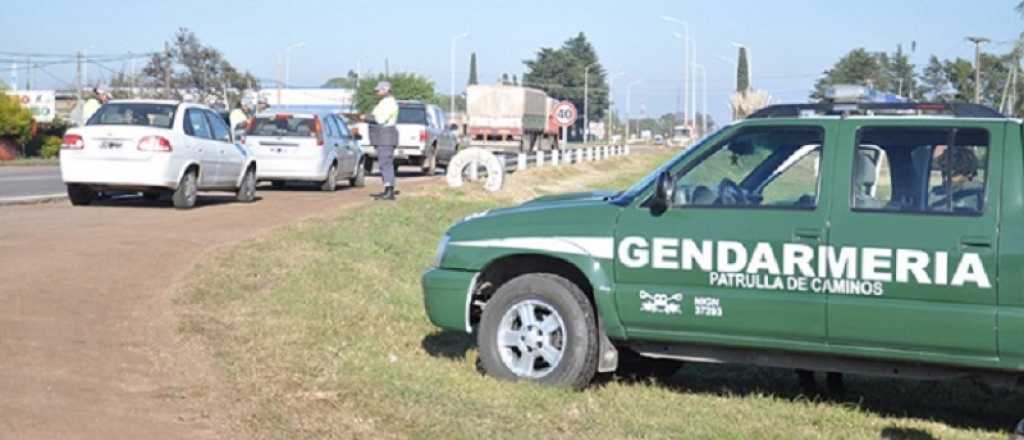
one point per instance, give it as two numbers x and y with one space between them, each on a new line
441 247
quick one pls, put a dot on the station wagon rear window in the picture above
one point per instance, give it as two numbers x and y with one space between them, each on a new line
282 126
134 113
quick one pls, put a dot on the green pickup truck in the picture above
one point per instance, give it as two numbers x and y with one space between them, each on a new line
867 238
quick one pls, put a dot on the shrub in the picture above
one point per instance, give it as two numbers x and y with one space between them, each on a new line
51 147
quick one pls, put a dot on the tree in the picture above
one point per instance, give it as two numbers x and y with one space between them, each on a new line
472 69
188 65
560 74
403 86
742 72
15 125
935 85
856 67
348 81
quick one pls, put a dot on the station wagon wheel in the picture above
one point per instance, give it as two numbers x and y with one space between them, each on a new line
185 196
539 327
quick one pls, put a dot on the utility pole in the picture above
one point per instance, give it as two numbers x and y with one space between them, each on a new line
687 68
978 41
609 116
78 74
586 102
451 90
167 69
629 102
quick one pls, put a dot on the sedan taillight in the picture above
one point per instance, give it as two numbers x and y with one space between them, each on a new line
72 142
423 135
154 143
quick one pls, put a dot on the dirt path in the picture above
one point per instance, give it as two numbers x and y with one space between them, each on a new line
88 342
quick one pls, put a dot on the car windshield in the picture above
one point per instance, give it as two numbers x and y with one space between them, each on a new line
625 197
134 113
281 126
412 115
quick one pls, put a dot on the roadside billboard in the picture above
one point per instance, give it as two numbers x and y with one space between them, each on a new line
42 103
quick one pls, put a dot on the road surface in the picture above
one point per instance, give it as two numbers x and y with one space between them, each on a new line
30 181
89 342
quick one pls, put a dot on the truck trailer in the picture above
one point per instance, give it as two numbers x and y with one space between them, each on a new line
507 117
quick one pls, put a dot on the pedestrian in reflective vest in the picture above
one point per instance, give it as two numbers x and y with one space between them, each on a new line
384 136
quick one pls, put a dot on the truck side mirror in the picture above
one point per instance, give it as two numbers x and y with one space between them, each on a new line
453 127
664 188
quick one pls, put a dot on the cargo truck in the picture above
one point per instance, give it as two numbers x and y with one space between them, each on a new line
508 117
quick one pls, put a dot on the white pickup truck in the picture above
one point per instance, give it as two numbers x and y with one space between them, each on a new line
424 139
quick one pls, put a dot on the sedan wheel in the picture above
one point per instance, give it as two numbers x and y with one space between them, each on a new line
247 190
185 196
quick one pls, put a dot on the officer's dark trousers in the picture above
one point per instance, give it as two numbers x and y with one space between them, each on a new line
386 160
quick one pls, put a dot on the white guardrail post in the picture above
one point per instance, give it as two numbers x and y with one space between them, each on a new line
540 158
554 158
579 155
520 161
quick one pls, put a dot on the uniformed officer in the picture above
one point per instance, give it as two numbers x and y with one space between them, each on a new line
384 136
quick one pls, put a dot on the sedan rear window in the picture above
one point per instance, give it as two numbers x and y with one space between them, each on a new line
412 115
145 114
283 126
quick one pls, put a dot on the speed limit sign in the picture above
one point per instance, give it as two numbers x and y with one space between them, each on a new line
565 114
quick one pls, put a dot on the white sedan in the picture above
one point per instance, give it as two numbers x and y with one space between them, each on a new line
155 147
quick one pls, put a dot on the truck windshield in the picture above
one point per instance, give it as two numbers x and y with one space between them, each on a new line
134 113
412 115
281 126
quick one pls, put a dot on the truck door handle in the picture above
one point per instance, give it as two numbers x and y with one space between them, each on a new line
813 234
975 241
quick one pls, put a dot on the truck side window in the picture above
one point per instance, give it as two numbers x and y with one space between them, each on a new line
761 167
920 170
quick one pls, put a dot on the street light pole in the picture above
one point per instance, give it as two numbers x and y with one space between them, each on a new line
629 110
609 116
586 102
451 91
978 41
686 62
287 66
704 99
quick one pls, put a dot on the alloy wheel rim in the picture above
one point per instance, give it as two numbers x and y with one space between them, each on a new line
531 339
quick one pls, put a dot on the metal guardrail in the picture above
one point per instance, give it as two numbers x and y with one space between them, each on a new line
521 161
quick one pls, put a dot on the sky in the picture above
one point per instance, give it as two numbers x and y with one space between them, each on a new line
791 41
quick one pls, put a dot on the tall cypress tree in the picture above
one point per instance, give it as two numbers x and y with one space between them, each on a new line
472 69
742 72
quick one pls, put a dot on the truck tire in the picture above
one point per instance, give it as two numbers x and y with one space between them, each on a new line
80 195
429 166
539 327
185 196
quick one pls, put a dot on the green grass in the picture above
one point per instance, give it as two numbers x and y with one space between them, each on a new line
319 331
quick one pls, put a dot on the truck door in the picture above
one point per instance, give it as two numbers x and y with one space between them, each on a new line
914 229
731 261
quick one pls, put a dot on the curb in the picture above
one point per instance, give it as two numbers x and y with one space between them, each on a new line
33 200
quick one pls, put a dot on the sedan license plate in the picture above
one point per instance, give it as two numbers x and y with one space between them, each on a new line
110 145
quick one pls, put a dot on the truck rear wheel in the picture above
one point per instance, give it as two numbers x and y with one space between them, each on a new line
542 328
430 163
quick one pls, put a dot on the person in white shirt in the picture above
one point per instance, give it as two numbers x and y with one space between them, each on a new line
384 136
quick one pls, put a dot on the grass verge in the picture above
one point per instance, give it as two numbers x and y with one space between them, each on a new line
30 162
320 332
